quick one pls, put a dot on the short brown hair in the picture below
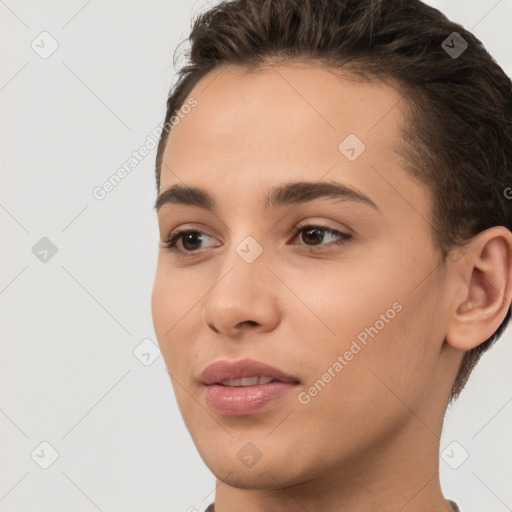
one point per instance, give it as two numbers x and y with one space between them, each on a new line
457 137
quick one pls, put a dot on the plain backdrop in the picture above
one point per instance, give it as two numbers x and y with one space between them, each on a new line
83 388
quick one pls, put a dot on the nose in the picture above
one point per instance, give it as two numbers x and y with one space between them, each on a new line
243 299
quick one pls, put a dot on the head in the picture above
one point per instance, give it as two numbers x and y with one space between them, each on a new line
346 92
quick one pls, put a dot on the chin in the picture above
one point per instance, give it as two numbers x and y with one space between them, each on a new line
244 478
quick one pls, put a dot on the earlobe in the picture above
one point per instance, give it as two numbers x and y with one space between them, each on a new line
485 275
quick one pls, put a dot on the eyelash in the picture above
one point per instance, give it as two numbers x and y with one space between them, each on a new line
177 235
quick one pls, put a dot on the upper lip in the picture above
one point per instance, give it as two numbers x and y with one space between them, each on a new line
229 370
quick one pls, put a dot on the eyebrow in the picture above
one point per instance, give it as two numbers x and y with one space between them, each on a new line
289 193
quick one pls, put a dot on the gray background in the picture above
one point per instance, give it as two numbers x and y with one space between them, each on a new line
71 324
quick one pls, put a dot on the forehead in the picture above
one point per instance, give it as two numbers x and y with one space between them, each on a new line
287 122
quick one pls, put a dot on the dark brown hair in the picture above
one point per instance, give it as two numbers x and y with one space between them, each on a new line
457 133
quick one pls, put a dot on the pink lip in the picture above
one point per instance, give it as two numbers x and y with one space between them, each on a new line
229 370
233 400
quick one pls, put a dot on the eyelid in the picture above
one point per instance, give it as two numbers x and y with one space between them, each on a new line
318 222
190 227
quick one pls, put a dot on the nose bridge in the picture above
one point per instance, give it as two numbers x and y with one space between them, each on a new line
242 292
243 269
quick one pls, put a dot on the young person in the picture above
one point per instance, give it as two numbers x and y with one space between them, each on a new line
336 252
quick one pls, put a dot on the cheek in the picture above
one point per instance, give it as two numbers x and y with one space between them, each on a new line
376 383
370 319
174 294
163 303
342 299
171 303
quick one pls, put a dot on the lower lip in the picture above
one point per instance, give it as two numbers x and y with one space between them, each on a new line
236 401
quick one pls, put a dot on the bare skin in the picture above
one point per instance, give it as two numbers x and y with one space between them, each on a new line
368 440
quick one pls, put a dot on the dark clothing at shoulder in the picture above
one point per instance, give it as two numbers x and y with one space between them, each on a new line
455 507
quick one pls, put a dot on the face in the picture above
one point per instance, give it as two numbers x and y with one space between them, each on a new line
340 290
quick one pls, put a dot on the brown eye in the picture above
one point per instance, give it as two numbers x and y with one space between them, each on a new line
314 236
191 240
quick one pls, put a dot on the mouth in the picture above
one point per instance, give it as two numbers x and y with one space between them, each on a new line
244 387
247 381
243 372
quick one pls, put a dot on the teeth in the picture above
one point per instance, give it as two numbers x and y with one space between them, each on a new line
247 381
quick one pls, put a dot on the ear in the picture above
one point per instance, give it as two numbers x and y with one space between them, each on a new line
482 280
